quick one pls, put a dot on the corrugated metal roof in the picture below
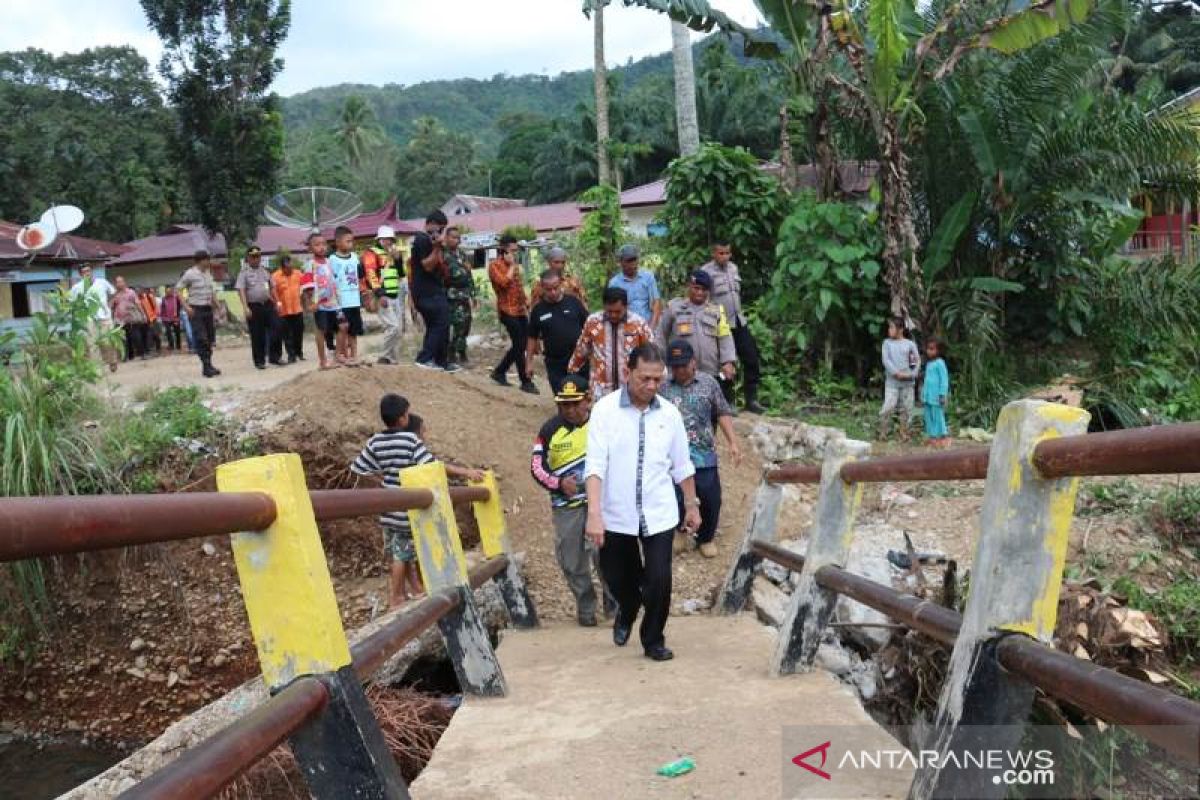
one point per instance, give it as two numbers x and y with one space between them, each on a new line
182 241
543 219
65 248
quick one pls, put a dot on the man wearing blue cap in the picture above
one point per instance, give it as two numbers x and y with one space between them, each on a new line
703 406
703 325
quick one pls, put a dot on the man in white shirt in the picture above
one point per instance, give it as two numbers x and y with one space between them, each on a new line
637 451
101 292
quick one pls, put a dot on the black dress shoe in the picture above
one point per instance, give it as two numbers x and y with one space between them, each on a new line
659 653
621 634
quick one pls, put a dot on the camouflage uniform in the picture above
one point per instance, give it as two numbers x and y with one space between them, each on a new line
460 292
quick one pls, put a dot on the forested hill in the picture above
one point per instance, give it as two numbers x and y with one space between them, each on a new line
465 105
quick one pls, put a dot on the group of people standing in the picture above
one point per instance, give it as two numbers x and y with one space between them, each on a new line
146 318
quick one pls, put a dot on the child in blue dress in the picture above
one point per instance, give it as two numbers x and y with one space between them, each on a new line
935 393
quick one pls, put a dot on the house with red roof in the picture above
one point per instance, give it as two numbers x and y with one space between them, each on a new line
160 259
27 278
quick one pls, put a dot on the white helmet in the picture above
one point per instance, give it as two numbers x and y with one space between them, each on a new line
385 232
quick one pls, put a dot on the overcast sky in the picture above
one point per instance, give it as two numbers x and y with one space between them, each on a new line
381 41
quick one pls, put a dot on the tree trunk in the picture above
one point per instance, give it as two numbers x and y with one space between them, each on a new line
787 161
600 77
824 157
900 243
685 90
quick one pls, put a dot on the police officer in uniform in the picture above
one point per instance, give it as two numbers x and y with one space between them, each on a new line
702 324
727 290
385 276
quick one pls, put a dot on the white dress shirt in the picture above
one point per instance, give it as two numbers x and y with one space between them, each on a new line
98 288
639 456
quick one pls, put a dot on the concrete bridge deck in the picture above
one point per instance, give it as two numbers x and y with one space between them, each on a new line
586 719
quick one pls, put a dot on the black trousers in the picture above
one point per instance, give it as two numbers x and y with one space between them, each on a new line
747 353
135 340
518 335
288 333
435 347
708 491
174 335
260 323
637 570
556 370
204 331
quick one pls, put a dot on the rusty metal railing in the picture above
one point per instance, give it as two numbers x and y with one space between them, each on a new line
1038 446
1155 450
218 761
49 526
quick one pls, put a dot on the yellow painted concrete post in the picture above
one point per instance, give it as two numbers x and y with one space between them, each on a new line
494 539
811 606
298 632
443 567
1015 580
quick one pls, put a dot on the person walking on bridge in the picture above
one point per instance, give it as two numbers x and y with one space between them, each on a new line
559 452
637 452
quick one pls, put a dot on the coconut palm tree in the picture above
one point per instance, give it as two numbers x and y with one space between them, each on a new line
358 130
685 89
595 9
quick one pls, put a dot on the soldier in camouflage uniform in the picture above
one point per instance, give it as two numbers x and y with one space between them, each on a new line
460 291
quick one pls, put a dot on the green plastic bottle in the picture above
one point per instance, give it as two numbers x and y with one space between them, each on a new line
676 768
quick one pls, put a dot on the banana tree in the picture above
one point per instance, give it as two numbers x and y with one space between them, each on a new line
892 53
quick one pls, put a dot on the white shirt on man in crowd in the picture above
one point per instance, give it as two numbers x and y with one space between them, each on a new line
639 456
100 289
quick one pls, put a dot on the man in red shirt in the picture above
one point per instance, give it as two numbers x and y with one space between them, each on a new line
513 309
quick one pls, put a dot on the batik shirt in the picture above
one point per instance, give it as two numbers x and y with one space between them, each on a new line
701 403
606 348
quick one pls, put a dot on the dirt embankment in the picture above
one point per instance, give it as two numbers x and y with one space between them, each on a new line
144 636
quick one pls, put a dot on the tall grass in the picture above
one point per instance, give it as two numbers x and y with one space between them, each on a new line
47 447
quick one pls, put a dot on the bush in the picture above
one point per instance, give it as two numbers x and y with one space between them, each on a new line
1175 515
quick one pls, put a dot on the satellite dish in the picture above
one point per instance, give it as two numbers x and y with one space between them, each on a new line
64 219
36 236
313 207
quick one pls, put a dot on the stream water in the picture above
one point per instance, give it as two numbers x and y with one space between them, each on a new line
32 772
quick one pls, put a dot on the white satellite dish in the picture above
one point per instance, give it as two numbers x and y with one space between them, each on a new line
36 236
312 208
64 219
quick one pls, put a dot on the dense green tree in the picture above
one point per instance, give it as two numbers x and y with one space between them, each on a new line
1161 43
88 129
435 164
219 62
525 136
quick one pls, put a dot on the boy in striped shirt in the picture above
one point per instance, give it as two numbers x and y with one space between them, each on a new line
385 454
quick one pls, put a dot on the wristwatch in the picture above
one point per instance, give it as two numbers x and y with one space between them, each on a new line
693 502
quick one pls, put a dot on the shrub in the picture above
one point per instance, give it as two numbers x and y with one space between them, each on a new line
1175 514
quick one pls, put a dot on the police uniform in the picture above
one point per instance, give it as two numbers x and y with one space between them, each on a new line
727 290
255 281
705 328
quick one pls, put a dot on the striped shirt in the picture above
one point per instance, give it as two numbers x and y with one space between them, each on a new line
385 454
199 287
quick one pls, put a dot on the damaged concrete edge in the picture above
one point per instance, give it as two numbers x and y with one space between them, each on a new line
211 718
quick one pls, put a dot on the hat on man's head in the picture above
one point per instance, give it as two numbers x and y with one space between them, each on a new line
573 389
628 252
385 232
680 353
254 250
702 278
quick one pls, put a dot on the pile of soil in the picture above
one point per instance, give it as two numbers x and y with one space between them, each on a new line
326 417
144 636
